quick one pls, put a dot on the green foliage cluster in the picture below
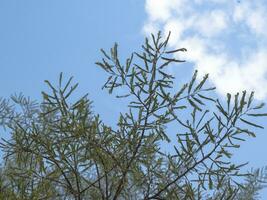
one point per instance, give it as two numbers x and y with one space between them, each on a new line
61 150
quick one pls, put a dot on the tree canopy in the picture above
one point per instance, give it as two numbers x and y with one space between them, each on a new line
60 149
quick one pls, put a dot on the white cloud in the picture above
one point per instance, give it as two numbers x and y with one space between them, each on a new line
210 23
226 39
253 15
161 10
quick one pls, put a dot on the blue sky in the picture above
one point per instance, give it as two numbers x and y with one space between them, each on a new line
40 39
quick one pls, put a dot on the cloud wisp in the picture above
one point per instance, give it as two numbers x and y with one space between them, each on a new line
226 39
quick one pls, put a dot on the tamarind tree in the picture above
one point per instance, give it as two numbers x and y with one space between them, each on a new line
60 149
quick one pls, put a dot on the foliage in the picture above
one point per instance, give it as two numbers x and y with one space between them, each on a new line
61 150
254 184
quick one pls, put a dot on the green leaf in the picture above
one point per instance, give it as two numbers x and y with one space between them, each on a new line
105 54
209 132
219 106
102 66
181 91
226 153
242 101
194 105
198 100
179 107
176 50
192 82
207 98
258 115
199 86
251 124
143 57
237 138
128 63
250 99
250 133
259 106
210 183
113 85
172 60
71 90
50 85
228 101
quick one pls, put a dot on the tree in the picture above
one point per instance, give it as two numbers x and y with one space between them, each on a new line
62 150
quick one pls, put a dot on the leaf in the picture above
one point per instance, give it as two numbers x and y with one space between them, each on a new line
219 106
188 144
250 133
219 119
258 115
60 79
236 102
237 138
199 86
242 101
209 89
198 100
167 39
210 183
113 85
201 118
148 44
176 50
250 123
102 66
259 106
194 105
123 96
128 63
178 94
226 153
143 57
242 165
250 99
164 64
67 85
228 101
192 81
71 90
179 107
172 60
50 85
114 51
108 81
154 40
165 74
105 54
209 131
207 98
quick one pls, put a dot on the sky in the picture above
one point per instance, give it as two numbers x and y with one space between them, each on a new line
225 38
